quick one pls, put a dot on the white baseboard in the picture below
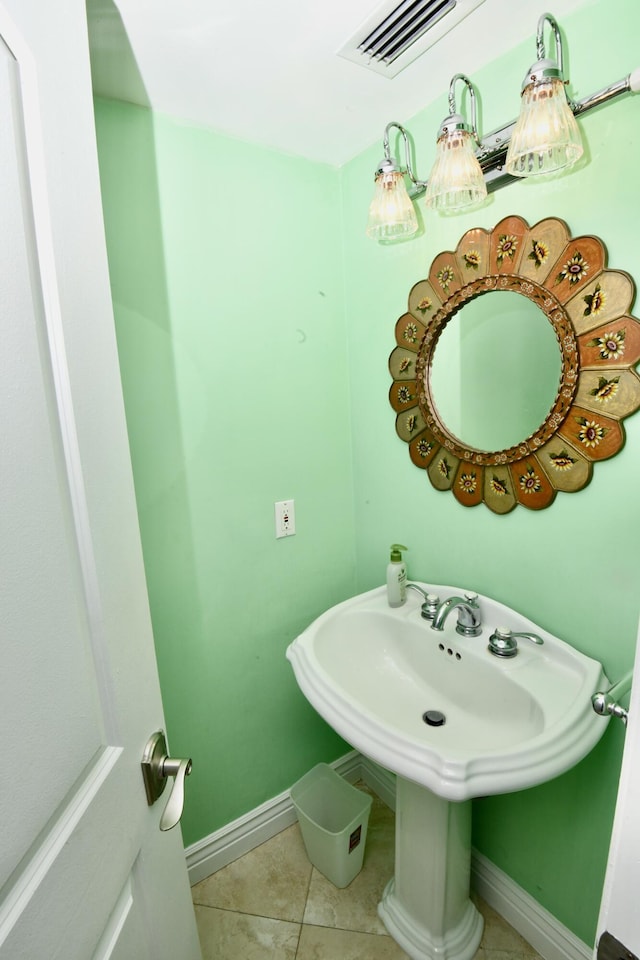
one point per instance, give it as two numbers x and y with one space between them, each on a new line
548 936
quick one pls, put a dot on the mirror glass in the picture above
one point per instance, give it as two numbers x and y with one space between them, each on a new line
496 371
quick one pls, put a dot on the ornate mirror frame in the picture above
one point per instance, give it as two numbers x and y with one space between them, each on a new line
599 341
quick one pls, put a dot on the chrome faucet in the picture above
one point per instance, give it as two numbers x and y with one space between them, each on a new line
469 623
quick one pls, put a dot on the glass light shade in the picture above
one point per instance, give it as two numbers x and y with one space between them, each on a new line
391 214
546 136
456 179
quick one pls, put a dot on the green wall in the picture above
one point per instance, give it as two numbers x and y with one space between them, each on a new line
228 297
572 568
254 322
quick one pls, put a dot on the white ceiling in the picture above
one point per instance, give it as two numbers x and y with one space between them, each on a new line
268 72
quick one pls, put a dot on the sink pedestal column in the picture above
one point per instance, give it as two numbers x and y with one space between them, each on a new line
426 906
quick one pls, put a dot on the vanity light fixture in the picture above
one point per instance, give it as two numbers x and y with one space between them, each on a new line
391 213
546 137
456 178
509 152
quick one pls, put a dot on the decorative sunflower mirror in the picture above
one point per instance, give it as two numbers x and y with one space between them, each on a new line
519 394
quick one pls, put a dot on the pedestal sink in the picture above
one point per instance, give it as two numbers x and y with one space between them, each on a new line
381 677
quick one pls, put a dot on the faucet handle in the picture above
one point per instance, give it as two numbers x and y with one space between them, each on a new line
531 636
430 606
472 598
502 643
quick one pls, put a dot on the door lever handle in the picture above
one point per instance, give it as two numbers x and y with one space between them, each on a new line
157 767
175 804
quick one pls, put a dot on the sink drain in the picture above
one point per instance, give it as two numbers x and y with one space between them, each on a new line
433 718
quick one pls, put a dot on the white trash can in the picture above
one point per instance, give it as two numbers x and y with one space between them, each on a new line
333 818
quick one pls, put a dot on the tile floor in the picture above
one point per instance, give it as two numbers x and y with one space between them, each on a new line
272 904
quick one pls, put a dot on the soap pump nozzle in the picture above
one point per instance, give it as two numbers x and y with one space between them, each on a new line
396 555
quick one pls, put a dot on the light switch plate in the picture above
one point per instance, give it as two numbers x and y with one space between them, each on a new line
285 518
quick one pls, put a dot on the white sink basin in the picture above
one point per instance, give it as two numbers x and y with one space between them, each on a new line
372 672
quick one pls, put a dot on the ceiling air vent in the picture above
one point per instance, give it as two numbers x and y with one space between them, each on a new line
396 34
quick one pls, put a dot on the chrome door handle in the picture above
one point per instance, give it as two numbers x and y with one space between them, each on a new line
156 768
173 810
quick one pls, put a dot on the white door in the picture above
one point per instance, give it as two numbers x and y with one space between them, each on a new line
620 909
84 870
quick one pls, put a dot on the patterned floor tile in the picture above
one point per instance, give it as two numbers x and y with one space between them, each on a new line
270 881
324 943
226 935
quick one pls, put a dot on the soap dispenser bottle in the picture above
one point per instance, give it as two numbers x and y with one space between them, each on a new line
396 577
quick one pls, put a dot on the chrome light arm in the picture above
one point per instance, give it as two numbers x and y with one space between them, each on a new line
540 49
418 186
628 84
454 119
